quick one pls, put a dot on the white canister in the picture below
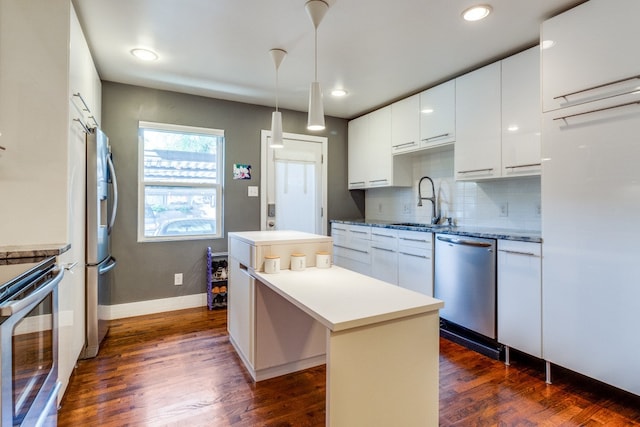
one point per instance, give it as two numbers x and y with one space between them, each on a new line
271 264
323 260
298 262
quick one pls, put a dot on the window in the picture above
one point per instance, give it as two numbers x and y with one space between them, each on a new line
180 182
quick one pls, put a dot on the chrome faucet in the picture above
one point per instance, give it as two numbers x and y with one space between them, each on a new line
434 217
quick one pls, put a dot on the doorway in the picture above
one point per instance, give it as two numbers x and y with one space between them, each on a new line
294 184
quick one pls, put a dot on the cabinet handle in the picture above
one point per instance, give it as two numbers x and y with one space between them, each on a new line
414 255
383 235
379 180
2 148
339 229
86 107
358 231
598 87
596 110
357 183
523 166
415 240
506 251
476 170
94 121
404 145
351 249
84 126
382 249
436 137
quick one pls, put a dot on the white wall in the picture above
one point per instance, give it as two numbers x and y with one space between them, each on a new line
469 203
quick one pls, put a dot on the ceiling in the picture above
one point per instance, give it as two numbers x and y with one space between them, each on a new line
378 50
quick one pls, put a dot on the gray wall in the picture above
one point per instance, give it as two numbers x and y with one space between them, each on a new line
145 270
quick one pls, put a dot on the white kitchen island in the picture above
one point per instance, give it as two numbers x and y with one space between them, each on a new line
381 341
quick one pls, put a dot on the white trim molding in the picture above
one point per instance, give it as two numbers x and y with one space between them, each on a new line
140 308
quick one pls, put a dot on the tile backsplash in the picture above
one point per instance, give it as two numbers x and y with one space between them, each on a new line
512 203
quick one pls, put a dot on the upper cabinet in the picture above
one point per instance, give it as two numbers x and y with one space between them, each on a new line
405 124
576 66
84 83
438 115
478 130
370 161
521 114
498 119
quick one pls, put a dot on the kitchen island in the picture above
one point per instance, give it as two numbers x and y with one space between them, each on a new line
381 341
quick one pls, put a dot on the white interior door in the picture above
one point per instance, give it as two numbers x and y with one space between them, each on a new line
294 184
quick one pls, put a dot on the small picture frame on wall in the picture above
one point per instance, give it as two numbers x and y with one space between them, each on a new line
241 171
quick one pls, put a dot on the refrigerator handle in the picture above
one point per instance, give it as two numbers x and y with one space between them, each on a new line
115 193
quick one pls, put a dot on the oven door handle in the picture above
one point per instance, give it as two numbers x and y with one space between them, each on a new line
12 307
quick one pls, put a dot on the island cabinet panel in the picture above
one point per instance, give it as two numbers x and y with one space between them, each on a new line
240 315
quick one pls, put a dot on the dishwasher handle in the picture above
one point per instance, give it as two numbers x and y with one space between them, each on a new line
464 242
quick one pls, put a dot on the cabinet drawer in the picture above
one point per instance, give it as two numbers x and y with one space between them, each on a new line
415 239
520 248
243 252
383 238
363 256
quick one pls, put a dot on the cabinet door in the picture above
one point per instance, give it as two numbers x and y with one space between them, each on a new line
384 255
405 124
520 296
415 261
378 161
587 40
478 129
521 114
241 307
438 115
357 152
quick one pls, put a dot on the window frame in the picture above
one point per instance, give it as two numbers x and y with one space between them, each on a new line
218 186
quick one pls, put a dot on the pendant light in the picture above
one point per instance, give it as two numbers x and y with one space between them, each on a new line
316 9
276 117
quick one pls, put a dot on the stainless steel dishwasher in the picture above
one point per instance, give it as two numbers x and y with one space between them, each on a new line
465 279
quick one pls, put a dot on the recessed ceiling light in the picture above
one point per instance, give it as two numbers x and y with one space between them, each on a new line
476 13
546 44
427 111
513 128
144 54
339 92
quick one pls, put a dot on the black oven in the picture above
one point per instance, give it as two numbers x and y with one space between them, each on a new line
29 340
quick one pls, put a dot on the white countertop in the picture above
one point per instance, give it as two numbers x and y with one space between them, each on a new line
277 236
342 299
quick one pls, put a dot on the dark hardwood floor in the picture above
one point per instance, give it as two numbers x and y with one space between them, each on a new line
179 369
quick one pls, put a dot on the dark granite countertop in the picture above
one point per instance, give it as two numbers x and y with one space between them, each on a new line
33 251
487 232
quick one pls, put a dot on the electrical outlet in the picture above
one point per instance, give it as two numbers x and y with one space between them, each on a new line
538 209
406 208
504 209
177 279
379 207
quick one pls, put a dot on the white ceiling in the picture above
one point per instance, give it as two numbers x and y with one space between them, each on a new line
379 50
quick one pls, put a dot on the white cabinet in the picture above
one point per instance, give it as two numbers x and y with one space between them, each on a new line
478 127
384 254
520 296
438 115
358 135
240 313
405 124
587 40
352 247
415 261
521 114
370 161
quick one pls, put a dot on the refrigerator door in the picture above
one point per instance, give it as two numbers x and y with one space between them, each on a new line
98 297
590 230
97 240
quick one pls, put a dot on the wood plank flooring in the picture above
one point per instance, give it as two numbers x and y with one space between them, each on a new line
179 369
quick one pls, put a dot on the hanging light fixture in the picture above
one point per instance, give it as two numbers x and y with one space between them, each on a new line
316 9
276 117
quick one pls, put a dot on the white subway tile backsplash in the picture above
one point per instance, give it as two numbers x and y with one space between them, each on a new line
469 203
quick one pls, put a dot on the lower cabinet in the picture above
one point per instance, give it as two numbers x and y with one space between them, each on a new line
384 254
415 261
352 247
520 296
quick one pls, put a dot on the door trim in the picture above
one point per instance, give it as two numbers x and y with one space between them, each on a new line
265 136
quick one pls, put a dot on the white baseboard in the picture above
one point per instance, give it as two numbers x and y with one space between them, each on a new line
141 308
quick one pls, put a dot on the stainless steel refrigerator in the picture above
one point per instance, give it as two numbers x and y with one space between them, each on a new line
102 204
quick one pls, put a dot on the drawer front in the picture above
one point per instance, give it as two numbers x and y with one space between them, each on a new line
522 248
359 232
415 241
353 254
243 252
383 238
